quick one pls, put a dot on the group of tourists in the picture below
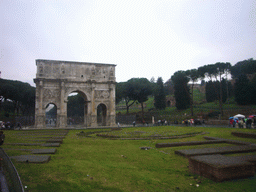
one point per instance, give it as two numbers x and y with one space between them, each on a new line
9 125
6 125
243 122
191 122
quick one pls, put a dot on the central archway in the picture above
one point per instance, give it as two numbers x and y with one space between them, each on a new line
51 115
77 108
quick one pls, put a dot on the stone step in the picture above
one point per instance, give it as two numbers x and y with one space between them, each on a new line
32 158
176 144
44 151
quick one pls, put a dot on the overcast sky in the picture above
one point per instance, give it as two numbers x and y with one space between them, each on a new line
144 38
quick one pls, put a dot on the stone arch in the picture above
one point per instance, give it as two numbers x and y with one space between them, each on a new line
102 114
80 91
51 119
55 80
85 106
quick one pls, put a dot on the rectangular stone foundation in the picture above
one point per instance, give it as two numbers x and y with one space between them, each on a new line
217 150
220 168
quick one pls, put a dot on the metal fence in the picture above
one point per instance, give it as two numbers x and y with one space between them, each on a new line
12 177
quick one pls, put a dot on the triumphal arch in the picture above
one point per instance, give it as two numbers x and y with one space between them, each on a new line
55 80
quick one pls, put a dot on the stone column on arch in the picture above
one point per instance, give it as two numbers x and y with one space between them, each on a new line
40 113
112 112
87 114
63 106
92 106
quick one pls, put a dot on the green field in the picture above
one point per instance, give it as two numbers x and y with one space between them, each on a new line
101 164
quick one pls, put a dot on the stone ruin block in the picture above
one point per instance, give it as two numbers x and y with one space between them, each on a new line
220 168
244 135
176 144
217 150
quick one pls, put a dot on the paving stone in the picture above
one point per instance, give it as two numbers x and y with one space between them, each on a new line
44 137
175 144
230 141
217 150
50 145
212 138
23 144
54 141
49 140
220 168
32 158
52 137
44 151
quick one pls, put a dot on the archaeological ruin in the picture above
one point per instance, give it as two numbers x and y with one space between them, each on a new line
56 80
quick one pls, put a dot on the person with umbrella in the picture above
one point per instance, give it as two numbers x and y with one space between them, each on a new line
231 120
249 123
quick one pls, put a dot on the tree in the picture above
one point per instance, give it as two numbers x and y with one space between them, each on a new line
21 95
181 90
193 76
217 71
138 89
120 91
169 87
222 69
242 90
126 90
243 67
159 96
210 92
253 90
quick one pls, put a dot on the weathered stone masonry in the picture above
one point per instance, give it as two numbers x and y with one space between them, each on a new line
55 80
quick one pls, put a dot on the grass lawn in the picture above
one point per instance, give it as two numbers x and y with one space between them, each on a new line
100 164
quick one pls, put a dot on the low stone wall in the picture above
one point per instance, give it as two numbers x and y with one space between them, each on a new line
217 122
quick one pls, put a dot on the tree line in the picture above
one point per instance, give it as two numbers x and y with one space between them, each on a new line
16 97
218 87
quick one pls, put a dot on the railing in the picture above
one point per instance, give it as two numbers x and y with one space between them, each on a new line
12 177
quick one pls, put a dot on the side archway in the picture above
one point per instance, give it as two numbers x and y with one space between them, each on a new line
102 114
51 115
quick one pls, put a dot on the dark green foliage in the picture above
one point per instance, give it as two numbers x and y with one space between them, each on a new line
75 105
120 91
169 87
253 90
159 95
242 90
212 91
224 90
20 94
243 67
181 90
139 89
